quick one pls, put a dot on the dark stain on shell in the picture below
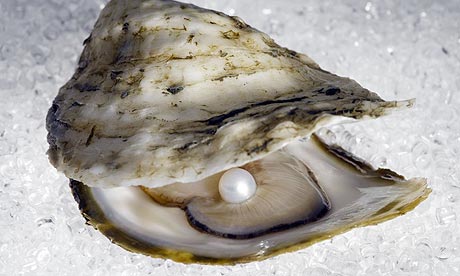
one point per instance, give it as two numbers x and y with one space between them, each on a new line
260 148
91 135
86 87
56 131
187 146
240 24
226 77
125 27
124 94
219 120
74 104
332 91
231 35
190 38
175 89
114 74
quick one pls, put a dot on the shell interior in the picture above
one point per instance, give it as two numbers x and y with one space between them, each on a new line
358 195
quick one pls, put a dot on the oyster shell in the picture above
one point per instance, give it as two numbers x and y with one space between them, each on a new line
169 93
359 195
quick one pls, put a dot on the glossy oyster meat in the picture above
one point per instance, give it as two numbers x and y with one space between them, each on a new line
168 97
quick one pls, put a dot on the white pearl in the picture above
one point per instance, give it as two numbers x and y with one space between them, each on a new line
237 185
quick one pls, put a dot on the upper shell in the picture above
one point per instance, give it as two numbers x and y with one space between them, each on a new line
170 92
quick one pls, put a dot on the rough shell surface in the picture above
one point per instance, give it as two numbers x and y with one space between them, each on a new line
170 92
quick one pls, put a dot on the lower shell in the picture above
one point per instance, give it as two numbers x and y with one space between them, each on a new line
359 196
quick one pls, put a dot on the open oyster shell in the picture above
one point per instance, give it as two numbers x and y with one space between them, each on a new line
168 96
359 196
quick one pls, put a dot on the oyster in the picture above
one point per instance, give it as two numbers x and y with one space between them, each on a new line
168 98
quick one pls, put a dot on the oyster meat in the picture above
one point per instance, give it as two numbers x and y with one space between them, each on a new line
169 100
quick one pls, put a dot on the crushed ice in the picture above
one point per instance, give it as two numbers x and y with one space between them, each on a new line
407 49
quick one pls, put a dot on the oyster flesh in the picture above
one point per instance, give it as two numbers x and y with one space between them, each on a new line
168 98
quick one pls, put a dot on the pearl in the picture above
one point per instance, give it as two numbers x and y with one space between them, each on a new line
237 185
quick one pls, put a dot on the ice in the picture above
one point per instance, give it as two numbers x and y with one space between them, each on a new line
446 215
402 50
